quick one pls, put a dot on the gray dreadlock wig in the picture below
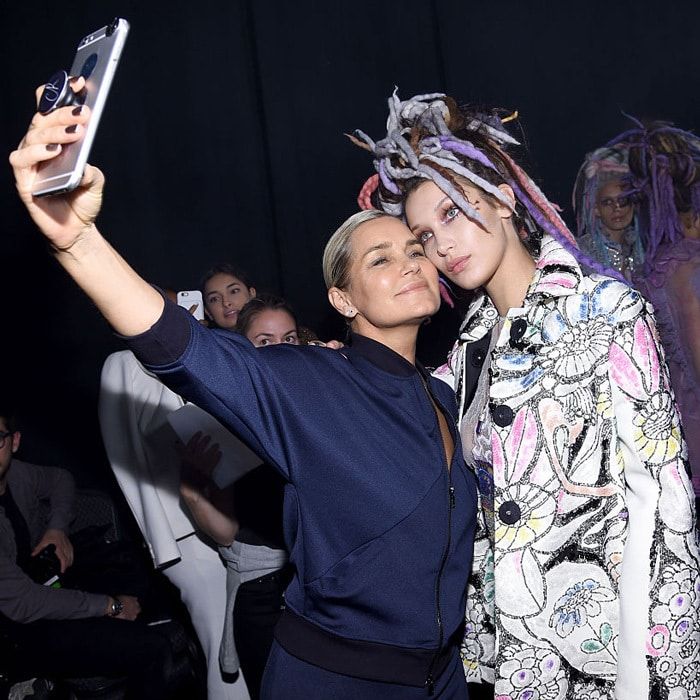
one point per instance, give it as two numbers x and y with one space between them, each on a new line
430 138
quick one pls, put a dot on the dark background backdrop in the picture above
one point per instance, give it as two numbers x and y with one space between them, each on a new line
222 140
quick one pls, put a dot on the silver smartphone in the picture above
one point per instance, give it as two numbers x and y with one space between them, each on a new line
192 301
96 60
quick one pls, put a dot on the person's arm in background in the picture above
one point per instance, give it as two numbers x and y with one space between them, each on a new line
56 486
23 601
211 508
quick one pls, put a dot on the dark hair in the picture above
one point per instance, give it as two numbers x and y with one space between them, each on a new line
258 304
8 415
224 269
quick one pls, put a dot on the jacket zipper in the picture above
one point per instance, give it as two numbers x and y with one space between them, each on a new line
451 503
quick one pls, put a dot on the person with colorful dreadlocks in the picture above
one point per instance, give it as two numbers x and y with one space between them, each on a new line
606 220
585 581
665 178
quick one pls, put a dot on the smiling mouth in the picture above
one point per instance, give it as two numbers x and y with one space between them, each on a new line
459 264
415 287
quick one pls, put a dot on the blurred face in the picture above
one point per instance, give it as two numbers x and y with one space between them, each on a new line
224 297
10 444
465 252
272 327
691 225
392 283
614 211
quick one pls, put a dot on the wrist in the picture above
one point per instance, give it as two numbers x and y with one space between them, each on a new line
80 244
114 608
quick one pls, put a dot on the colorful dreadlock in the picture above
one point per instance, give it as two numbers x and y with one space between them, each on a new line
430 138
664 164
600 167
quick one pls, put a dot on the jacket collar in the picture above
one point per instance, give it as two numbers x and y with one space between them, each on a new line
557 274
381 356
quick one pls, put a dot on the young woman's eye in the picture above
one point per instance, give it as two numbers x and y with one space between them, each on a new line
262 343
291 339
213 299
450 213
417 253
425 236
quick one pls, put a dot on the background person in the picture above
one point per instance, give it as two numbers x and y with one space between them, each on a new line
606 220
59 632
665 177
225 290
246 520
133 409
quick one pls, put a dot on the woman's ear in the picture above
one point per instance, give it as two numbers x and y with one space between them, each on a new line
252 292
507 190
340 300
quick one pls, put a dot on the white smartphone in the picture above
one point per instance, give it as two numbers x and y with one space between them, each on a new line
192 301
96 60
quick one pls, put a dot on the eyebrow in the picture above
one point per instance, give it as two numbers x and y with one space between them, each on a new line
264 334
435 208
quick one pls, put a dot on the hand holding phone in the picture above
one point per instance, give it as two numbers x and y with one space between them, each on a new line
192 301
95 61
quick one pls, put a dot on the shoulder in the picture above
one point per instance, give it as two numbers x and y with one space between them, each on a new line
608 299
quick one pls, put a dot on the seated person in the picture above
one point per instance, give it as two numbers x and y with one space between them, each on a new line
58 632
140 445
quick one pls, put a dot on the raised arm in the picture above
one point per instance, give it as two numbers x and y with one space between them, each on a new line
128 303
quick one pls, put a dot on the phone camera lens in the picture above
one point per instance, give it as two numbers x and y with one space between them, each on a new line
112 26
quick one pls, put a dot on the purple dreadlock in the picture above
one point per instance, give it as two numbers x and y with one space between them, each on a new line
664 164
430 138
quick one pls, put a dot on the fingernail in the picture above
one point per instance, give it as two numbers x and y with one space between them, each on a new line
71 129
51 146
77 110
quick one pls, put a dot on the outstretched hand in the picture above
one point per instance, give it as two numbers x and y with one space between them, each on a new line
63 219
199 457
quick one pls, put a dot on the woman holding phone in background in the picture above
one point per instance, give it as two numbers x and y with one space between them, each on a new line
586 578
245 520
380 509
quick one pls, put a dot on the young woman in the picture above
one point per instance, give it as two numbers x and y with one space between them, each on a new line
380 508
246 520
586 572
606 219
225 291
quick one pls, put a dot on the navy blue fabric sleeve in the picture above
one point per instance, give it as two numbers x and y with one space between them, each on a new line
255 392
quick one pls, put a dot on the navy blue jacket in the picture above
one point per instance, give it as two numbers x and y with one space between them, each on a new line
379 530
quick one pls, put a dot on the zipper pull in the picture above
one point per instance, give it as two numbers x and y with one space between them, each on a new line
453 498
430 684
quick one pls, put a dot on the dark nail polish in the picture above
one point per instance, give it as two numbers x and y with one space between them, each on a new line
77 110
71 129
51 146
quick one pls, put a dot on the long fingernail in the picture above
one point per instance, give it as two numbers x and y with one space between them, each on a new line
71 129
77 110
51 146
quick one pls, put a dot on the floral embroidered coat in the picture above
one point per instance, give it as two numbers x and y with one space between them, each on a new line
589 586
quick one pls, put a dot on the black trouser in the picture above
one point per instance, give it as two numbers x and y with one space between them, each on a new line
259 604
99 646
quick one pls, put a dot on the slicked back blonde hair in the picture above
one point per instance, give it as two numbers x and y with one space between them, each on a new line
338 252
